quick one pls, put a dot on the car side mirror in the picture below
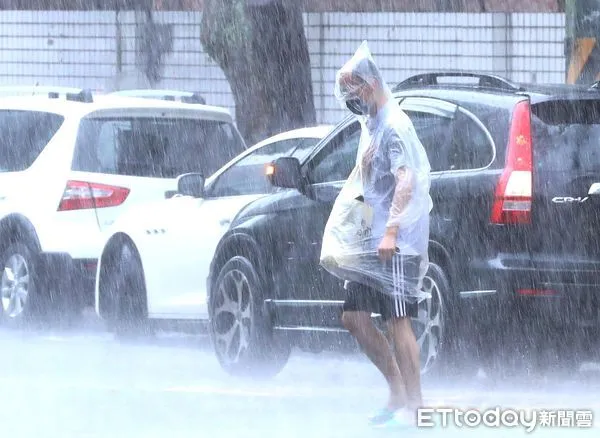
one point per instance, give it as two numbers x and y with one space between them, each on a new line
285 172
191 184
170 193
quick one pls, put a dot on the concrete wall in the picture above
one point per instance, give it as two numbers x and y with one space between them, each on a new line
83 49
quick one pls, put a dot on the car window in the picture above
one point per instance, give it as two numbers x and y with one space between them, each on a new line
247 175
566 135
434 132
470 148
497 121
155 148
23 136
337 159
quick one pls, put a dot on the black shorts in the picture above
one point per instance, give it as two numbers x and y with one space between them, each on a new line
361 297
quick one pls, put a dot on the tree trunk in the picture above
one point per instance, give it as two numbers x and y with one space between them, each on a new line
263 53
450 5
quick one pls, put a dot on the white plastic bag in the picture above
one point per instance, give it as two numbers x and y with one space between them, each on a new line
348 252
348 227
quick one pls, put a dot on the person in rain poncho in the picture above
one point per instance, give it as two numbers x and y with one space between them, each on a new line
384 263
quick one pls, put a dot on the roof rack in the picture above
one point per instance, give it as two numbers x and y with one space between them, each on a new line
172 95
485 80
74 94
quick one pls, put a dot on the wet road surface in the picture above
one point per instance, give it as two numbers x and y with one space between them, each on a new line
83 383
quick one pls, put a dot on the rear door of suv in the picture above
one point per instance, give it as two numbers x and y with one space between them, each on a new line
127 159
566 187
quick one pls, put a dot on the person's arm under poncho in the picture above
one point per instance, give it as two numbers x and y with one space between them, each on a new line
402 196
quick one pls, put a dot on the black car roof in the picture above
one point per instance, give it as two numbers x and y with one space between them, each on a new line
547 92
461 95
499 91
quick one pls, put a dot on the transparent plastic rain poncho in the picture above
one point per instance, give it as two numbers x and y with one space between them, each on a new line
365 208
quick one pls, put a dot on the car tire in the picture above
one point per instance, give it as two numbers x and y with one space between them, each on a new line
30 298
241 331
126 286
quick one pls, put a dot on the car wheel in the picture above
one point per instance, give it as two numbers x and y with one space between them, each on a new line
431 324
126 288
23 301
20 297
241 331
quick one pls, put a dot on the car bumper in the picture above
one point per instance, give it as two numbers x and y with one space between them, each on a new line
75 277
535 289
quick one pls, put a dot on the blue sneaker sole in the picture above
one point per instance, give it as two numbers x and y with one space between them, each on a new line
393 424
381 417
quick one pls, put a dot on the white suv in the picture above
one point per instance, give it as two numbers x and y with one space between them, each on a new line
70 163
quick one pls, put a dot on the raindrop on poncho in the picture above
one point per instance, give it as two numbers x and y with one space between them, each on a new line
365 208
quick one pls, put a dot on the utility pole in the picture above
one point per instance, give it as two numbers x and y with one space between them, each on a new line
582 44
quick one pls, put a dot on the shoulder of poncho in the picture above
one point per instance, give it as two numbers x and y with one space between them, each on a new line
397 123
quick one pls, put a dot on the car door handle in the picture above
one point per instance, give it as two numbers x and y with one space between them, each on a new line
594 189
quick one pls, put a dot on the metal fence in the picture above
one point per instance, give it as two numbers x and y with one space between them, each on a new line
97 49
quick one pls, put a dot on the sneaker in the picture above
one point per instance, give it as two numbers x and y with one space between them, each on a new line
381 417
401 418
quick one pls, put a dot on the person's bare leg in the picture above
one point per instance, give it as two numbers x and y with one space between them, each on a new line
407 357
377 348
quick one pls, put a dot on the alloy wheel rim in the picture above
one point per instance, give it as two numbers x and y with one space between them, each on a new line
429 325
232 316
14 285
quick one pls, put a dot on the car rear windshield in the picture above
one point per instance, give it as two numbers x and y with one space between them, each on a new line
155 148
23 136
566 135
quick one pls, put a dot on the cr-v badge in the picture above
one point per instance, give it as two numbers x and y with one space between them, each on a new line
568 199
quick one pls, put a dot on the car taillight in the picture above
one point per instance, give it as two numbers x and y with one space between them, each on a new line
514 192
80 195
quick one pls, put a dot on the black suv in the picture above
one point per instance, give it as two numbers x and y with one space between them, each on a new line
515 230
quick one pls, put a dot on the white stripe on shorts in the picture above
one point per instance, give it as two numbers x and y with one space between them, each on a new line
398 279
395 282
